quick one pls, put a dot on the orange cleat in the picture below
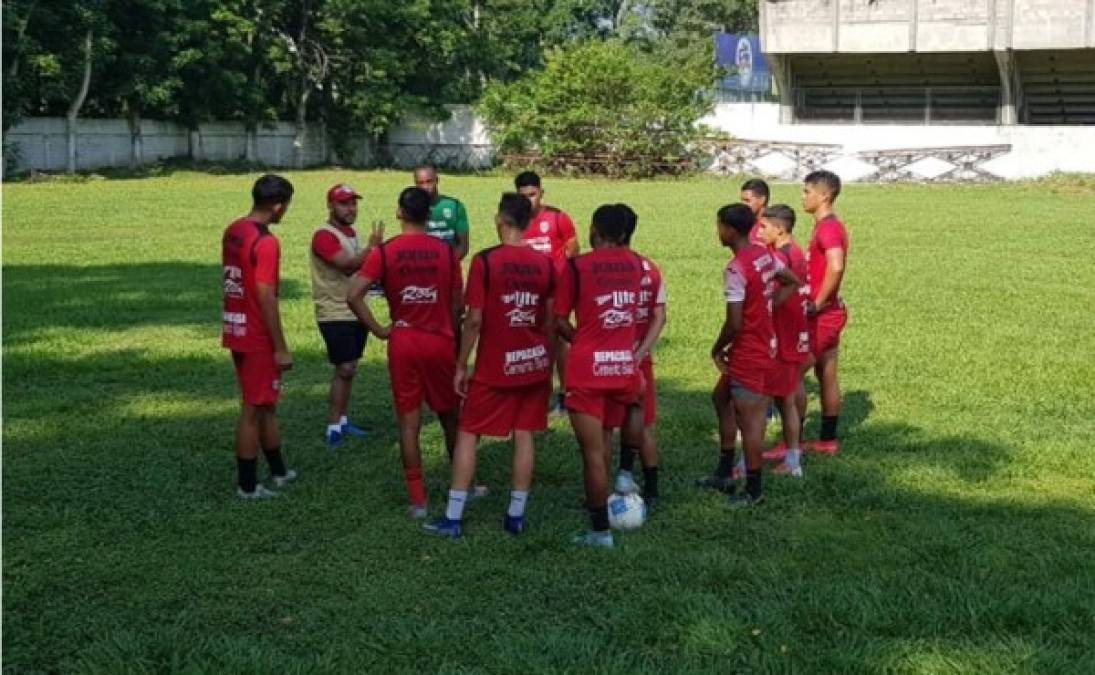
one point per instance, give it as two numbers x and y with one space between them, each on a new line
776 453
824 447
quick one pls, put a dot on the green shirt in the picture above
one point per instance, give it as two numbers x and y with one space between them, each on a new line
447 219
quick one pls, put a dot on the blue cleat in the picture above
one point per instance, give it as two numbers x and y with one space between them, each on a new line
515 525
453 529
354 430
334 438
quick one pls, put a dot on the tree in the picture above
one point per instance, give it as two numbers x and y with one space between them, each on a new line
628 109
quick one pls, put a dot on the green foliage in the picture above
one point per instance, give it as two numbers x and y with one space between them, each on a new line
603 99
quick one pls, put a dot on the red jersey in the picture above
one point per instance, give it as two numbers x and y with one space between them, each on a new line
420 275
602 289
651 294
548 231
748 280
511 285
250 256
790 317
828 233
327 245
754 234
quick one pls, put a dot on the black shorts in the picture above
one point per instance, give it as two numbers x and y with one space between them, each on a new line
345 340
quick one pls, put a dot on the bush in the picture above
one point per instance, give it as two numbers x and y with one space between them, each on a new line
607 106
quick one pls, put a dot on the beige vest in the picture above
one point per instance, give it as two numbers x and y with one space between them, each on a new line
330 284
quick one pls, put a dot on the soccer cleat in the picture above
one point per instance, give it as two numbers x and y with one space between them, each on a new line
445 527
515 525
785 469
418 512
594 539
334 438
716 483
625 483
824 447
260 492
353 430
776 453
282 481
743 499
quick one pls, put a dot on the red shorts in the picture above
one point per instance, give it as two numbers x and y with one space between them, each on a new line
614 414
785 378
259 377
422 367
825 328
598 402
496 411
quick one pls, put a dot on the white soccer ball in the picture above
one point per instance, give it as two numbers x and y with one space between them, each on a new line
626 512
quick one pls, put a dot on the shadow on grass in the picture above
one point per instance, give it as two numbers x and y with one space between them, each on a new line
113 297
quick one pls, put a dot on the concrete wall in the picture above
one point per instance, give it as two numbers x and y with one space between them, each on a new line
859 26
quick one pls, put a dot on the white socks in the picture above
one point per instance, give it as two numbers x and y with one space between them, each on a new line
334 427
455 509
517 501
793 458
343 421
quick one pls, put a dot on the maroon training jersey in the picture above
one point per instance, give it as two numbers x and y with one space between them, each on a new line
652 294
748 280
792 333
548 231
828 233
511 285
602 289
420 275
250 255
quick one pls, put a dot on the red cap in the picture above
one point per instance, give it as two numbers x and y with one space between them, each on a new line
342 193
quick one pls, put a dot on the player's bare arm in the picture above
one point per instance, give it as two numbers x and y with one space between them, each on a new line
355 298
549 324
564 329
834 272
469 337
657 323
271 316
572 248
731 325
461 245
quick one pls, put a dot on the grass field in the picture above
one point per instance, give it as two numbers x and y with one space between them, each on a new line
955 532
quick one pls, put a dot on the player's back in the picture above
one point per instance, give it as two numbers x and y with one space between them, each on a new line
243 326
420 274
789 319
750 281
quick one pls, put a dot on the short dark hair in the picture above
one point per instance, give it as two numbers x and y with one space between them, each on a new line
526 179
271 189
516 209
757 187
631 219
783 213
610 222
415 204
830 180
738 217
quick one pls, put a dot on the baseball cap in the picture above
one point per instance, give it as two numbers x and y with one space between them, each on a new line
342 193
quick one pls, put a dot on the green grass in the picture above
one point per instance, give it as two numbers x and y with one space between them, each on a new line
955 532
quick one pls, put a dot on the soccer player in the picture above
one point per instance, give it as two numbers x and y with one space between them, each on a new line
448 219
745 350
826 258
550 231
793 337
509 317
602 289
650 318
336 254
422 281
755 194
252 331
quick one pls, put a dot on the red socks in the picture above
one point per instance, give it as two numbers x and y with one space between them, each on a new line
413 477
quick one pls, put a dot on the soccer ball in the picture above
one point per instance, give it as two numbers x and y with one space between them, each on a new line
626 512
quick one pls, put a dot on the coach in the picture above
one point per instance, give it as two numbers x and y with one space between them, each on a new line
336 254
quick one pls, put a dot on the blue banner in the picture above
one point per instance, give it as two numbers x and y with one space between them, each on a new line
746 67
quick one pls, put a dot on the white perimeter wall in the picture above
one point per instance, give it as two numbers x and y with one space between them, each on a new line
1036 150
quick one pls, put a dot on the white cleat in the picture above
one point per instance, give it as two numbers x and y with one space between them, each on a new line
419 512
282 481
625 483
261 492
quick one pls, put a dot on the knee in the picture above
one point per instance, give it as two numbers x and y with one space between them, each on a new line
346 371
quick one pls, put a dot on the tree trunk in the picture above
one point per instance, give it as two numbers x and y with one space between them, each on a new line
136 139
302 100
77 103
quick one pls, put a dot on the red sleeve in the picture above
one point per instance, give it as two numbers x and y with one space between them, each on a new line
564 293
829 236
476 291
267 254
371 267
566 227
325 245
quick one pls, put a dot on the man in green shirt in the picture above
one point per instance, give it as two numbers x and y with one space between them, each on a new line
448 217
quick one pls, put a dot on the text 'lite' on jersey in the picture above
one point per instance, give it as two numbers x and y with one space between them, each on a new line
792 332
420 275
511 286
548 232
828 233
602 289
749 279
652 294
249 254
